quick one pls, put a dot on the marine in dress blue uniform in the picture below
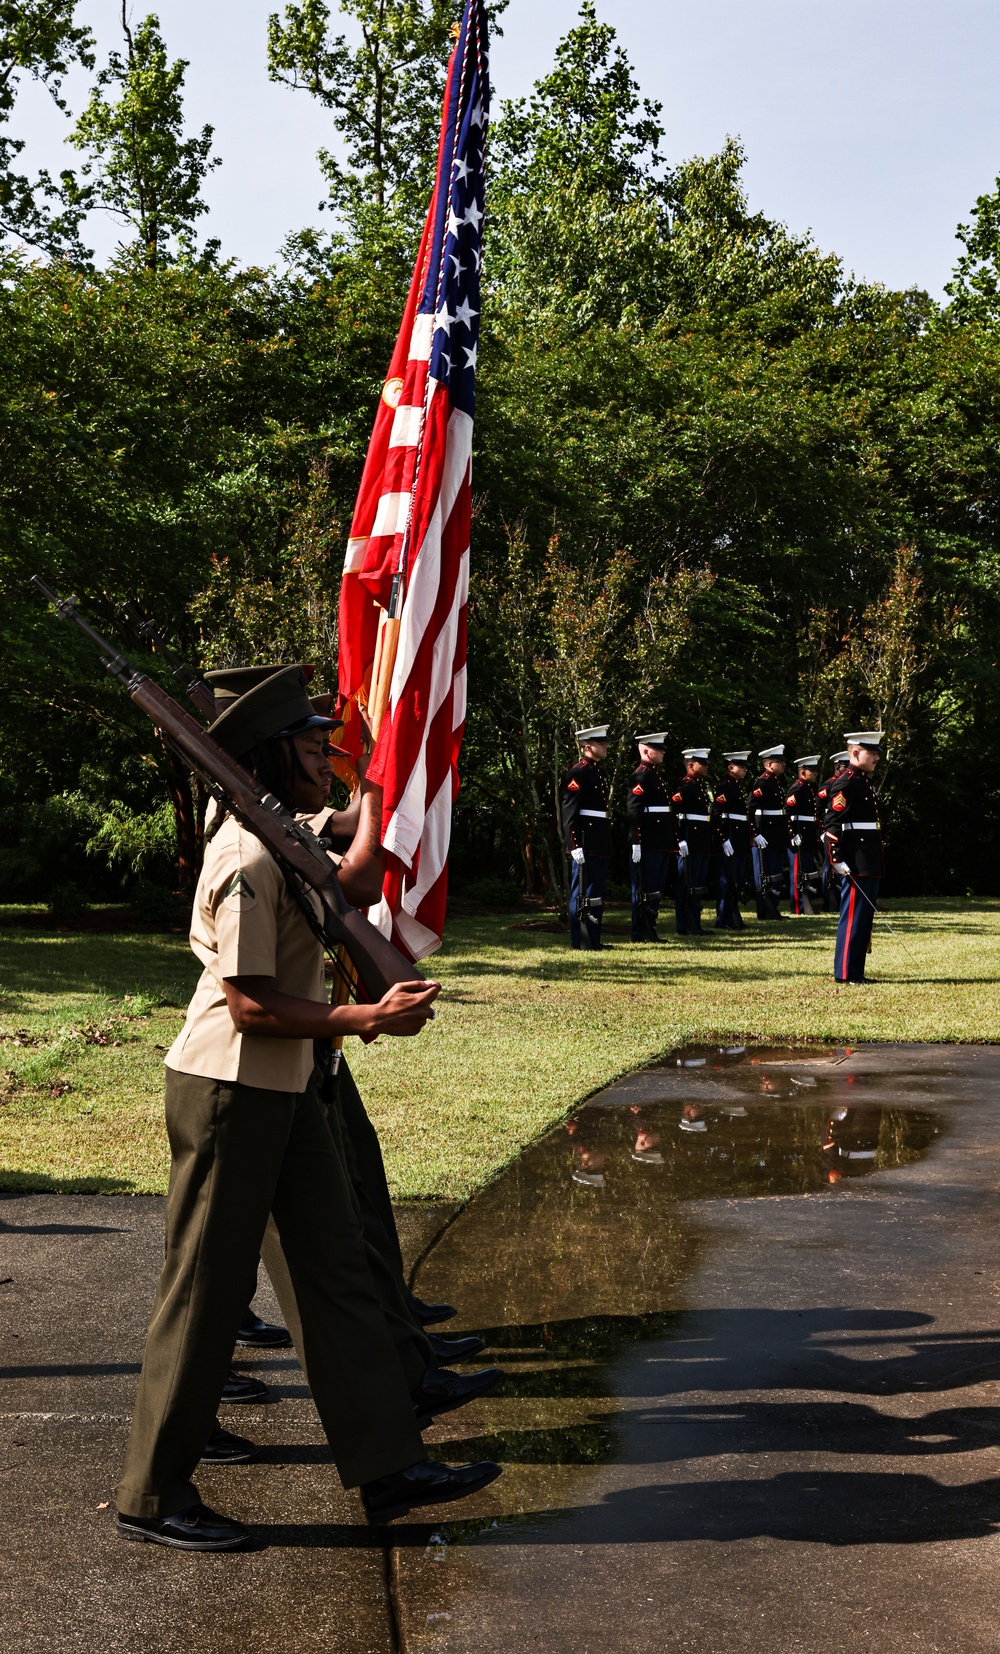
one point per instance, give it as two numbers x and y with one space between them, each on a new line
831 880
652 834
692 804
854 840
770 841
584 803
804 877
731 814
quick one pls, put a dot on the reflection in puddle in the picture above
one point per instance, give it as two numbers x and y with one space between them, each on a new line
575 1266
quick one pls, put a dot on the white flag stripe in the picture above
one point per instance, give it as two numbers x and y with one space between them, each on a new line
433 847
355 554
406 424
381 917
425 565
417 937
401 834
420 339
459 694
390 518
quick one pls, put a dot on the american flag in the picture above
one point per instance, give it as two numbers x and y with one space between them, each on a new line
408 553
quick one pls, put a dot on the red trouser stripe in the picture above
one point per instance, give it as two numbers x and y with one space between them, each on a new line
795 880
847 938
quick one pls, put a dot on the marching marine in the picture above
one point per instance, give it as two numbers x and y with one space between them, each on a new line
731 816
653 836
770 842
695 838
804 877
854 837
584 800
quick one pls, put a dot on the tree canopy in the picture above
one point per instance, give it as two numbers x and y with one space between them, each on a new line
721 488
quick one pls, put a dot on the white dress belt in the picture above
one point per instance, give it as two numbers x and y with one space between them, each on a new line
731 815
600 815
803 818
770 812
861 826
657 809
687 817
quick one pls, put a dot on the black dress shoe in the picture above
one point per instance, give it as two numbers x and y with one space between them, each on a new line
455 1349
238 1389
262 1335
426 1483
194 1529
443 1391
428 1314
223 1447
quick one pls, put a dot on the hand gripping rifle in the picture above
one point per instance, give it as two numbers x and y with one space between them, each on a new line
297 851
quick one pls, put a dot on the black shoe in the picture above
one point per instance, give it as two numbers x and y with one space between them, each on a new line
429 1314
455 1349
426 1483
442 1391
238 1389
262 1335
223 1447
194 1529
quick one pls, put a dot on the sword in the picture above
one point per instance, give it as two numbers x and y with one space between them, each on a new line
893 933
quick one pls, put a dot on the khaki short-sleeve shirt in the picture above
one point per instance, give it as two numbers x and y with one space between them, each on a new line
246 923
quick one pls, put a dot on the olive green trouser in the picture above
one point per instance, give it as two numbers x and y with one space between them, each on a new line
238 1153
411 1341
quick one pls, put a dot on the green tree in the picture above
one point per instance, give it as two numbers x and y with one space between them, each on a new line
974 288
383 89
141 168
40 39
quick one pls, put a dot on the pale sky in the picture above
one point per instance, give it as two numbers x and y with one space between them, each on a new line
872 123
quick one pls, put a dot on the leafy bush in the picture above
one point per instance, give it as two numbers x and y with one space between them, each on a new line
67 903
492 891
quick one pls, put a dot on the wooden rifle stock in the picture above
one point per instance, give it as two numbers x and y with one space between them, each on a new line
379 965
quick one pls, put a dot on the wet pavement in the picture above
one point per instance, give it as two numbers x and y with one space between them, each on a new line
747 1306
749 1312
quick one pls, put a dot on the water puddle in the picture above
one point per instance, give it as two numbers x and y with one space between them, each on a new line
591 1269
600 1218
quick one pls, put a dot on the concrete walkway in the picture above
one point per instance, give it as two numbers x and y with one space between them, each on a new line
734 1421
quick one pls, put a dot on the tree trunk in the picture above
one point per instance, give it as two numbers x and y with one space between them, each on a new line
187 821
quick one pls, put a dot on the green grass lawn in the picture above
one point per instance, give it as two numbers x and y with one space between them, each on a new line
525 1029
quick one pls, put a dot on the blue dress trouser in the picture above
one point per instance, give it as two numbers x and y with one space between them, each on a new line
692 873
767 864
649 880
728 884
857 915
588 882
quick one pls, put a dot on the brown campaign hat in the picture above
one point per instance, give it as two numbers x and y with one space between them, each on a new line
277 704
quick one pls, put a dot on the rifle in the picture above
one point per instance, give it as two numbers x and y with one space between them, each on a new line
297 851
193 686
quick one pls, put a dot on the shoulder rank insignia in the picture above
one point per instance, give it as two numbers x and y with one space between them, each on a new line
790 801
573 786
758 792
637 791
678 798
721 799
840 803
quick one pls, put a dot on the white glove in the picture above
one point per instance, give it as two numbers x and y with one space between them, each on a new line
578 857
842 868
682 847
727 848
637 852
760 841
796 839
